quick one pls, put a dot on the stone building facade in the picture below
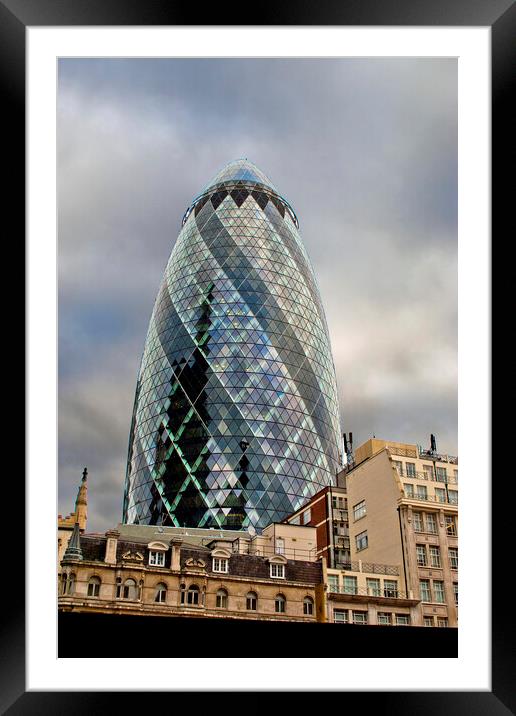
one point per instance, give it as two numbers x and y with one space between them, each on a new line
174 574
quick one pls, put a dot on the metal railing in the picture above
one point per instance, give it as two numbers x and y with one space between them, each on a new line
307 555
430 498
369 567
438 457
428 476
368 592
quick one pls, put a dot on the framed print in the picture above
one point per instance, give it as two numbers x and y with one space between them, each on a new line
47 47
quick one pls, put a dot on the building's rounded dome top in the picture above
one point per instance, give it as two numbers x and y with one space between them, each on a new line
240 170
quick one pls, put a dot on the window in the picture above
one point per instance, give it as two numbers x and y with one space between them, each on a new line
417 521
428 621
350 585
439 592
307 516
441 474
411 469
435 556
440 494
359 510
431 523
442 621
409 489
398 465
161 593
279 604
373 587
277 571
359 617
390 587
383 618
456 475
340 616
280 545
333 583
182 589
220 565
251 601
453 497
94 587
424 590
192 596
361 541
157 559
308 606
222 599
402 619
129 590
67 583
421 492
428 471
421 555
451 525
456 593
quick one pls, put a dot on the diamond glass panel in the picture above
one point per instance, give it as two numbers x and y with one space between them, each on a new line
235 421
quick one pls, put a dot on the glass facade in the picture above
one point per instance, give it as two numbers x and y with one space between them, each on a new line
235 421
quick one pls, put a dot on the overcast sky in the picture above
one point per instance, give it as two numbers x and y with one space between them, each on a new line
366 153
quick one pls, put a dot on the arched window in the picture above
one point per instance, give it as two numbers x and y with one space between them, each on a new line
222 599
119 587
64 580
94 587
70 584
308 605
279 604
193 595
130 591
251 601
161 593
182 588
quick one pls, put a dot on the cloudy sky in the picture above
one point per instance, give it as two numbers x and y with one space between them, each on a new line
365 150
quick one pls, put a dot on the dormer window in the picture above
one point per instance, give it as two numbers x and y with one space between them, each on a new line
221 565
277 570
156 559
157 551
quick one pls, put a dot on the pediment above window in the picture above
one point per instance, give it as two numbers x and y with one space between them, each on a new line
221 553
157 547
277 559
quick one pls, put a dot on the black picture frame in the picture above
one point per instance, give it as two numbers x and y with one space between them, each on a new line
500 16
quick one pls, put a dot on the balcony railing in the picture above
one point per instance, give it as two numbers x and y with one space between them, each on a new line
307 555
368 592
430 498
369 567
401 451
438 457
429 476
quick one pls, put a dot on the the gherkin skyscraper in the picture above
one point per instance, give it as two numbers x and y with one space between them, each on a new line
235 420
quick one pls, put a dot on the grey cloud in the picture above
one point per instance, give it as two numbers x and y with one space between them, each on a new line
366 152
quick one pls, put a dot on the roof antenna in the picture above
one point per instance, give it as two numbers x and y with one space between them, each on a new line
348 449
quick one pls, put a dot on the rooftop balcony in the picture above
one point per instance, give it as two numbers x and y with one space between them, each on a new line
437 457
